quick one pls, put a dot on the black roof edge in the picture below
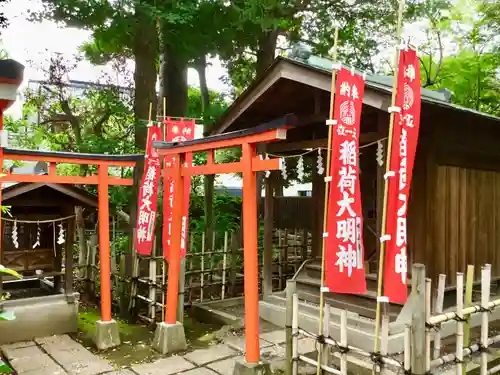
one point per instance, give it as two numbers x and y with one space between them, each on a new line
289 120
73 155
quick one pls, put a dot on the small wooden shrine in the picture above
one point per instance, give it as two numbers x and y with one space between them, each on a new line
38 229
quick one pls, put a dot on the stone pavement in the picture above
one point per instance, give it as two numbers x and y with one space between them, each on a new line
62 355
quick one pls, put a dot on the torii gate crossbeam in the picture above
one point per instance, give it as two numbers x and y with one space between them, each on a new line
249 165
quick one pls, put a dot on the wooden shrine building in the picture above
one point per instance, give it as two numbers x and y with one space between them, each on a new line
454 209
43 216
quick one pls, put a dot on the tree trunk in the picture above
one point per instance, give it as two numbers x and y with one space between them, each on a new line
267 51
209 180
173 83
145 49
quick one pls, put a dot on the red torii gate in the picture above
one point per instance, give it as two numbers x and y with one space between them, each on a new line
107 334
249 164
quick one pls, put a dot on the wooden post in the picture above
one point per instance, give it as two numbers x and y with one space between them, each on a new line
291 289
68 270
105 265
182 285
174 262
418 365
267 284
251 261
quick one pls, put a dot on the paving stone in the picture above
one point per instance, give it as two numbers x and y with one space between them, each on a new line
203 356
73 357
238 343
41 363
225 367
17 345
22 352
275 337
199 371
32 360
165 366
58 341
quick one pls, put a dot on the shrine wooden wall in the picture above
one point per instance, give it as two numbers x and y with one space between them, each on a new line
454 213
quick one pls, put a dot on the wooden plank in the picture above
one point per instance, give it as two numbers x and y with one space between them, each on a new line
463 230
440 224
453 221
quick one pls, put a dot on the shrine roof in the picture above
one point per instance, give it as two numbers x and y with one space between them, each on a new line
291 86
74 193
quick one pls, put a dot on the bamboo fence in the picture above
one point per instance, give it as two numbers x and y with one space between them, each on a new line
424 352
213 270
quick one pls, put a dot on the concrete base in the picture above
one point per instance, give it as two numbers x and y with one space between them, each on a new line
107 334
39 317
242 367
169 338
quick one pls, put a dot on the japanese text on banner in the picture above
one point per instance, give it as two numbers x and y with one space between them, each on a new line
404 145
176 131
344 260
148 196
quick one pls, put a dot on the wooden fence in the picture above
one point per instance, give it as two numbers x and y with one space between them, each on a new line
424 352
212 271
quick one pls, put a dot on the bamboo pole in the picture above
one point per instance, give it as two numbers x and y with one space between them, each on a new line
223 291
383 224
384 346
428 296
467 311
295 334
326 333
291 290
485 298
202 265
460 324
468 302
343 341
152 278
438 309
451 357
325 203
407 348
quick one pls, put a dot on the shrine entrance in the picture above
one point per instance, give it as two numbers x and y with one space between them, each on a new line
170 334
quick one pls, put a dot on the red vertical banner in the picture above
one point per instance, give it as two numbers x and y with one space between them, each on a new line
404 146
344 259
148 195
178 130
